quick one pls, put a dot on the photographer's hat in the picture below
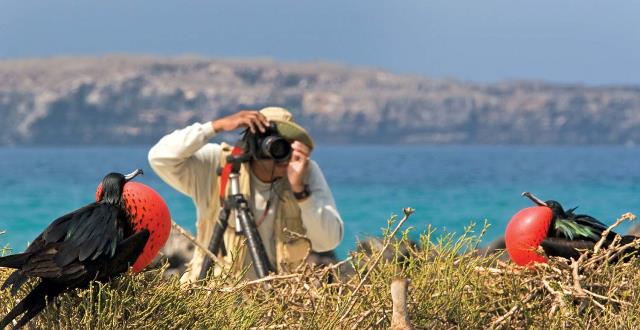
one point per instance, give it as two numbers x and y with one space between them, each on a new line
287 128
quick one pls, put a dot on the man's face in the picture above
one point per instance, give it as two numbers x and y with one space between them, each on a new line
270 168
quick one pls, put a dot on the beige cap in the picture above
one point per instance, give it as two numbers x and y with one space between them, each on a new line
287 128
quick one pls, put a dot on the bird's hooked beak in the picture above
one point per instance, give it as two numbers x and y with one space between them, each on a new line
534 199
133 174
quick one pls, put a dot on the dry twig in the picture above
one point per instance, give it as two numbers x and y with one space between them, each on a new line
204 249
512 311
623 218
259 281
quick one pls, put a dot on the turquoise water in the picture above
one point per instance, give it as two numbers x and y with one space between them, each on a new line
449 186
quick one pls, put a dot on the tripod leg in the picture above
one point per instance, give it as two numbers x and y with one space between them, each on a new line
254 242
216 239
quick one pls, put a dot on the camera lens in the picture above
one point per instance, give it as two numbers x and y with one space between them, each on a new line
277 148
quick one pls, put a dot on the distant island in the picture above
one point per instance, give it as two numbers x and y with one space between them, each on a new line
124 99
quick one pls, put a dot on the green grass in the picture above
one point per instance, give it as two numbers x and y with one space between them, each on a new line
449 289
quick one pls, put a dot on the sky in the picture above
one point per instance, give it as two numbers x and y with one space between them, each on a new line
572 41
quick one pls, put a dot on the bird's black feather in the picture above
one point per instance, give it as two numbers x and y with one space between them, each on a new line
32 304
95 231
127 252
585 220
61 227
14 261
559 247
15 281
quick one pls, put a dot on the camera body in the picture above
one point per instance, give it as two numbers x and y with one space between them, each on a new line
270 145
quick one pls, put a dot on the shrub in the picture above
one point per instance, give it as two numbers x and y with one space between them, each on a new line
450 288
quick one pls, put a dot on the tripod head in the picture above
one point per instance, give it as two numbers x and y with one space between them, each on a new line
237 160
237 157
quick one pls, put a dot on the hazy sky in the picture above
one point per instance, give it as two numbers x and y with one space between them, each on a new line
594 42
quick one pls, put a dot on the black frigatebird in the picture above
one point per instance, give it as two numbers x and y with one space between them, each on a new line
569 233
96 242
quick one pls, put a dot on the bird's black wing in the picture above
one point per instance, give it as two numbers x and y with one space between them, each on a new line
127 253
15 281
596 226
586 220
560 247
89 234
83 235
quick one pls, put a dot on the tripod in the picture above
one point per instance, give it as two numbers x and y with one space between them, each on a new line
245 224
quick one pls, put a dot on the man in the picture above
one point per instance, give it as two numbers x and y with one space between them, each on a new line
290 193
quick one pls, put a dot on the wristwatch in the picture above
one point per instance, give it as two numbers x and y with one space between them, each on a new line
303 194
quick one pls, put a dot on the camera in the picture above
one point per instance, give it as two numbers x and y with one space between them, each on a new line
270 145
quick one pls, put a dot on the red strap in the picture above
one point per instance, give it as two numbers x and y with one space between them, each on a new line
224 176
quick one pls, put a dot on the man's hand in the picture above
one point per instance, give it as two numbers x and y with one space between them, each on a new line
254 120
297 165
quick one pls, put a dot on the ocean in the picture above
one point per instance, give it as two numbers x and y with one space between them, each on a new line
450 187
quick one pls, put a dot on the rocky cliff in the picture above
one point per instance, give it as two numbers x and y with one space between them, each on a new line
135 100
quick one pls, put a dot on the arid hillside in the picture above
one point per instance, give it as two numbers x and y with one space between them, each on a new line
135 100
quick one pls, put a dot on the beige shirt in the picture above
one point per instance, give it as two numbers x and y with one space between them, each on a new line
187 162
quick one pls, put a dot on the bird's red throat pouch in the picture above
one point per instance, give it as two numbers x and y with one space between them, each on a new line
524 233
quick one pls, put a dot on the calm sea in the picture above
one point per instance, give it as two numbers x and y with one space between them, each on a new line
449 186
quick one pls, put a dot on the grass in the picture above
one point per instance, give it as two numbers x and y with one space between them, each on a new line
449 289
4 250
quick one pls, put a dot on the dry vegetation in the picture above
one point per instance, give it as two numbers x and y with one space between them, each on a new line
449 289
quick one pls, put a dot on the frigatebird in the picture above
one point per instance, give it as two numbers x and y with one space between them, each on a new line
569 233
96 242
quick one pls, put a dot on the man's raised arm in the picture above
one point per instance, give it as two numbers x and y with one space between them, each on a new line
185 160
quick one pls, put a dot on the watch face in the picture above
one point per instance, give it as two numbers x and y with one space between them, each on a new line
303 194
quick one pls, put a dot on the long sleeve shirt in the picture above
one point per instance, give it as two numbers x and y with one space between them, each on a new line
187 162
